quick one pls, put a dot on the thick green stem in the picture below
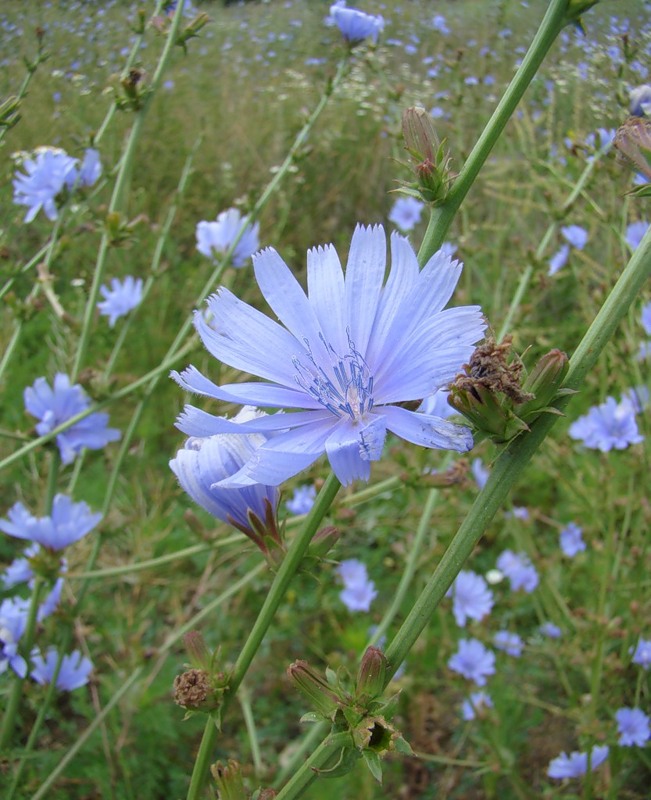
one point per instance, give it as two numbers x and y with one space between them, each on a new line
442 216
319 759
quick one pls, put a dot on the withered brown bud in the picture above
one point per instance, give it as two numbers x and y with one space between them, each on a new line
192 689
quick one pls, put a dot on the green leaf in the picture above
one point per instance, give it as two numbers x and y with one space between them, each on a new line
373 763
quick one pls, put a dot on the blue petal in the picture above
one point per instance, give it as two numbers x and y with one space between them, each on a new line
195 422
427 431
343 449
326 290
364 279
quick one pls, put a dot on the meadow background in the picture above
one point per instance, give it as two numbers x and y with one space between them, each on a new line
233 103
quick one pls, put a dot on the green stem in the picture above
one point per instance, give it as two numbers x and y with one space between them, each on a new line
317 761
442 216
249 720
286 571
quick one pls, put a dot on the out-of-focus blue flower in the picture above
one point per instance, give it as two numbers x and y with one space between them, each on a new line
519 570
570 540
68 523
634 235
439 24
474 661
74 672
632 727
475 704
406 213
479 472
122 297
13 619
346 355
448 249
55 405
645 318
576 764
302 500
517 512
436 405
575 235
640 98
359 590
47 175
550 630
642 653
559 259
609 426
202 463
471 597
644 351
90 170
355 26
215 238
20 571
509 642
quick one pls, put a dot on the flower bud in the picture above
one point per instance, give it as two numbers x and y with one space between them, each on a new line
230 785
544 382
197 650
429 158
419 133
324 541
371 675
320 694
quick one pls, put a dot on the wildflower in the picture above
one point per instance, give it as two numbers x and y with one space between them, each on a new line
608 426
448 249
359 591
509 642
437 405
642 653
406 213
20 571
74 671
479 472
474 661
550 630
203 462
519 570
215 238
517 512
472 599
634 235
633 727
645 318
576 764
575 236
559 259
47 175
640 98
303 500
13 619
350 352
122 297
475 705
89 172
68 523
570 540
355 26
55 405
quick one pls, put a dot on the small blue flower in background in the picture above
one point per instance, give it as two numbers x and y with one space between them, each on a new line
471 597
346 354
74 672
47 175
609 426
203 462
448 249
645 318
20 571
634 235
575 236
55 405
302 500
90 170
68 523
439 24
570 540
550 630
519 570
576 764
632 727
13 619
354 25
120 298
640 98
474 661
517 512
436 405
479 472
642 653
406 213
215 238
359 591
509 642
475 705
559 259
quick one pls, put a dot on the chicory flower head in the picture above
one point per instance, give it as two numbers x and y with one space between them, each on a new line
471 597
635 233
519 570
571 541
302 500
474 661
576 764
355 26
640 98
509 642
346 354
68 523
609 426
54 405
215 238
406 213
642 653
633 727
359 590
120 298
475 704
13 620
48 173
74 672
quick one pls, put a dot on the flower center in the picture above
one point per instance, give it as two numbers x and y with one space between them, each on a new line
343 386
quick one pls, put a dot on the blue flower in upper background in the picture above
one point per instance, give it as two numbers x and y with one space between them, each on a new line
47 175
439 24
640 98
74 672
633 727
570 540
550 630
474 661
509 642
609 426
347 353
122 297
68 523
215 238
303 500
519 570
59 403
635 233
406 213
575 235
359 590
576 764
642 653
471 597
475 704
355 26
13 619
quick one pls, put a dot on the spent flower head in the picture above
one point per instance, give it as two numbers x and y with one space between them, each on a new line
120 298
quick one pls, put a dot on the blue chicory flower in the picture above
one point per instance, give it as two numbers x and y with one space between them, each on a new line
575 235
120 298
215 238
20 571
645 318
474 661
359 590
519 570
354 25
609 426
559 259
436 405
632 727
406 213
479 472
67 523
302 500
48 173
570 540
475 705
57 404
635 233
640 99
13 620
90 170
471 597
74 672
347 354
642 653
576 764
550 630
510 643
